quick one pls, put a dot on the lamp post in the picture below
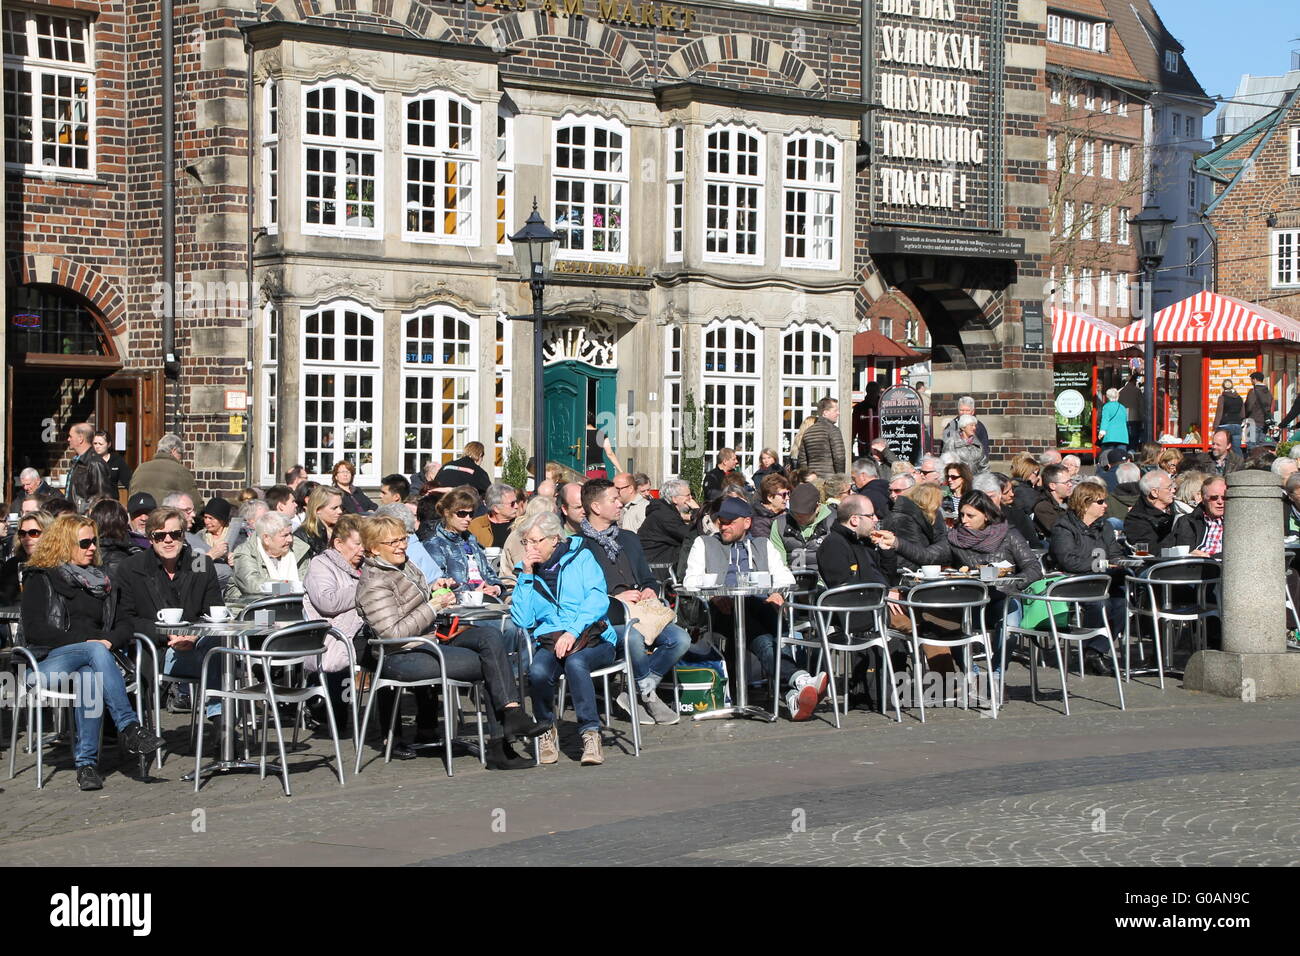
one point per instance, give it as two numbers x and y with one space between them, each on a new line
534 250
1153 237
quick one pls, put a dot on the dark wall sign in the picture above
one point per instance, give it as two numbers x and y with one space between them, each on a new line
1031 319
901 415
901 242
937 140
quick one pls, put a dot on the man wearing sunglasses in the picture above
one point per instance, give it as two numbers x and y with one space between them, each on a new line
1202 530
930 471
171 574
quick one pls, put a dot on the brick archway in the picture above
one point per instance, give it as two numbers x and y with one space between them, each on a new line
415 17
519 27
744 48
96 288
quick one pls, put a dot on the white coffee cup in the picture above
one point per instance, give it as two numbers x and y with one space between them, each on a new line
471 598
710 580
218 612
931 571
171 615
760 579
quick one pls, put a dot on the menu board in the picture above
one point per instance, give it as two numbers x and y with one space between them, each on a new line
1072 386
1238 369
901 414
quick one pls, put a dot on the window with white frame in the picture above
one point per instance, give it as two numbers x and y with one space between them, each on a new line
1067 219
1089 157
1107 161
268 382
1103 290
1122 218
439 385
1107 101
342 160
1090 98
590 186
1068 26
1125 162
1171 61
341 389
1104 228
505 179
1072 155
1051 152
1121 293
674 240
501 381
732 384
1191 132
1099 37
271 156
733 195
1193 253
440 156
1295 151
49 96
807 376
1053 28
1067 286
1085 289
673 399
1286 258
1087 216
1121 105
810 232
1054 84
1192 181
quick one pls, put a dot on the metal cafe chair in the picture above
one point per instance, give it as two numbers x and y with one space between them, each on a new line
622 665
287 608
1155 596
283 648
858 612
1069 594
450 691
34 699
970 598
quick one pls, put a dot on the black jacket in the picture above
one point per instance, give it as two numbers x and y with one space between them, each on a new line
119 472
113 554
1074 545
10 574
630 572
1189 530
1047 514
1122 499
877 491
56 613
1231 410
761 523
1259 405
145 588
1013 549
1026 496
845 558
713 482
319 543
88 477
1231 463
1023 524
908 522
356 503
1148 523
462 471
662 533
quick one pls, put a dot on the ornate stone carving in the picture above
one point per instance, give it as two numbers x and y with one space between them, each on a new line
361 65
413 75
430 290
267 65
592 343
272 285
322 284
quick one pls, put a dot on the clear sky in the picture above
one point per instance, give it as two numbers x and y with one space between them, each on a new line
1225 40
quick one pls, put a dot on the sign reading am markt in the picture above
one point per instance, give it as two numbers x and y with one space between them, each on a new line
936 145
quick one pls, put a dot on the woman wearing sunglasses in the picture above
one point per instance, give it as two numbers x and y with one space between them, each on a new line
69 606
956 483
30 528
458 552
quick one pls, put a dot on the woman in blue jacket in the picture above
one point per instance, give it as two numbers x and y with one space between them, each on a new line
1112 430
561 591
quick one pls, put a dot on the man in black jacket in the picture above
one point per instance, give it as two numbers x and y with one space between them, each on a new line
630 581
867 482
1152 518
1202 530
465 471
848 556
727 462
171 575
88 474
1259 408
1223 456
667 521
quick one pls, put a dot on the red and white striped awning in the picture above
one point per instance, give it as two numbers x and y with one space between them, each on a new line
1075 333
1209 317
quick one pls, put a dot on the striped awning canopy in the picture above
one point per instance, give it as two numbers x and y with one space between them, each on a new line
1210 317
1078 333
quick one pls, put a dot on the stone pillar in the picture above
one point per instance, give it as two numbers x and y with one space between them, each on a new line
1254 661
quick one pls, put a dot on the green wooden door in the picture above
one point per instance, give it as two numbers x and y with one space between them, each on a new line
574 391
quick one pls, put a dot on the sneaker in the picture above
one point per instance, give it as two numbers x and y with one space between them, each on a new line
642 718
548 746
823 684
88 778
802 702
181 702
139 742
660 712
1293 640
592 756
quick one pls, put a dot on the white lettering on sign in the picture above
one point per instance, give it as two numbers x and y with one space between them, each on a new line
922 164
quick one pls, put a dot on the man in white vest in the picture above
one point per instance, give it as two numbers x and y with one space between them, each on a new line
722 559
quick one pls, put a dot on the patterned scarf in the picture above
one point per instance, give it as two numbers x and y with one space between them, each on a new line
608 538
91 579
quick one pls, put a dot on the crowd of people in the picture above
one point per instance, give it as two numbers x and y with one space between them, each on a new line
586 567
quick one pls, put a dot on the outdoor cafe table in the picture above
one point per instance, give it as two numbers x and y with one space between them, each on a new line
231 632
741 707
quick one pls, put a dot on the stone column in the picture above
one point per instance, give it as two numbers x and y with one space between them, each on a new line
1254 661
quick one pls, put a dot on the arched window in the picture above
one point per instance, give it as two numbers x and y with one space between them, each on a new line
271 156
810 227
589 171
440 385
733 195
808 374
442 168
341 386
54 321
342 160
731 389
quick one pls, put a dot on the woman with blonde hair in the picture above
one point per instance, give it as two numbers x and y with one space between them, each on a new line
769 463
1187 491
1081 537
68 614
915 519
31 527
1169 460
323 510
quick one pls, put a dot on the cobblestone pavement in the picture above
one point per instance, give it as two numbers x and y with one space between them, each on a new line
1179 778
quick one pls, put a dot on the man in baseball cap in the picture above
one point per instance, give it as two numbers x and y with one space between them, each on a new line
730 558
138 507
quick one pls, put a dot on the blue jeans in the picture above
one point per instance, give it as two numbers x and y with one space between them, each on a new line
187 663
1234 433
89 666
651 666
544 675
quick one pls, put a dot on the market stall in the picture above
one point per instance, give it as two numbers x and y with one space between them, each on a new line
1088 358
1206 339
878 363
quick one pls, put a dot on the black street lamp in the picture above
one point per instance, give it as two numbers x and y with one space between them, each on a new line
1153 238
534 250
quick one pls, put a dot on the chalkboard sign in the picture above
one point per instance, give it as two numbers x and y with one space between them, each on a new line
901 414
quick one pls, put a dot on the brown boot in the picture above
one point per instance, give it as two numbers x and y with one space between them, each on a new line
548 745
591 752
